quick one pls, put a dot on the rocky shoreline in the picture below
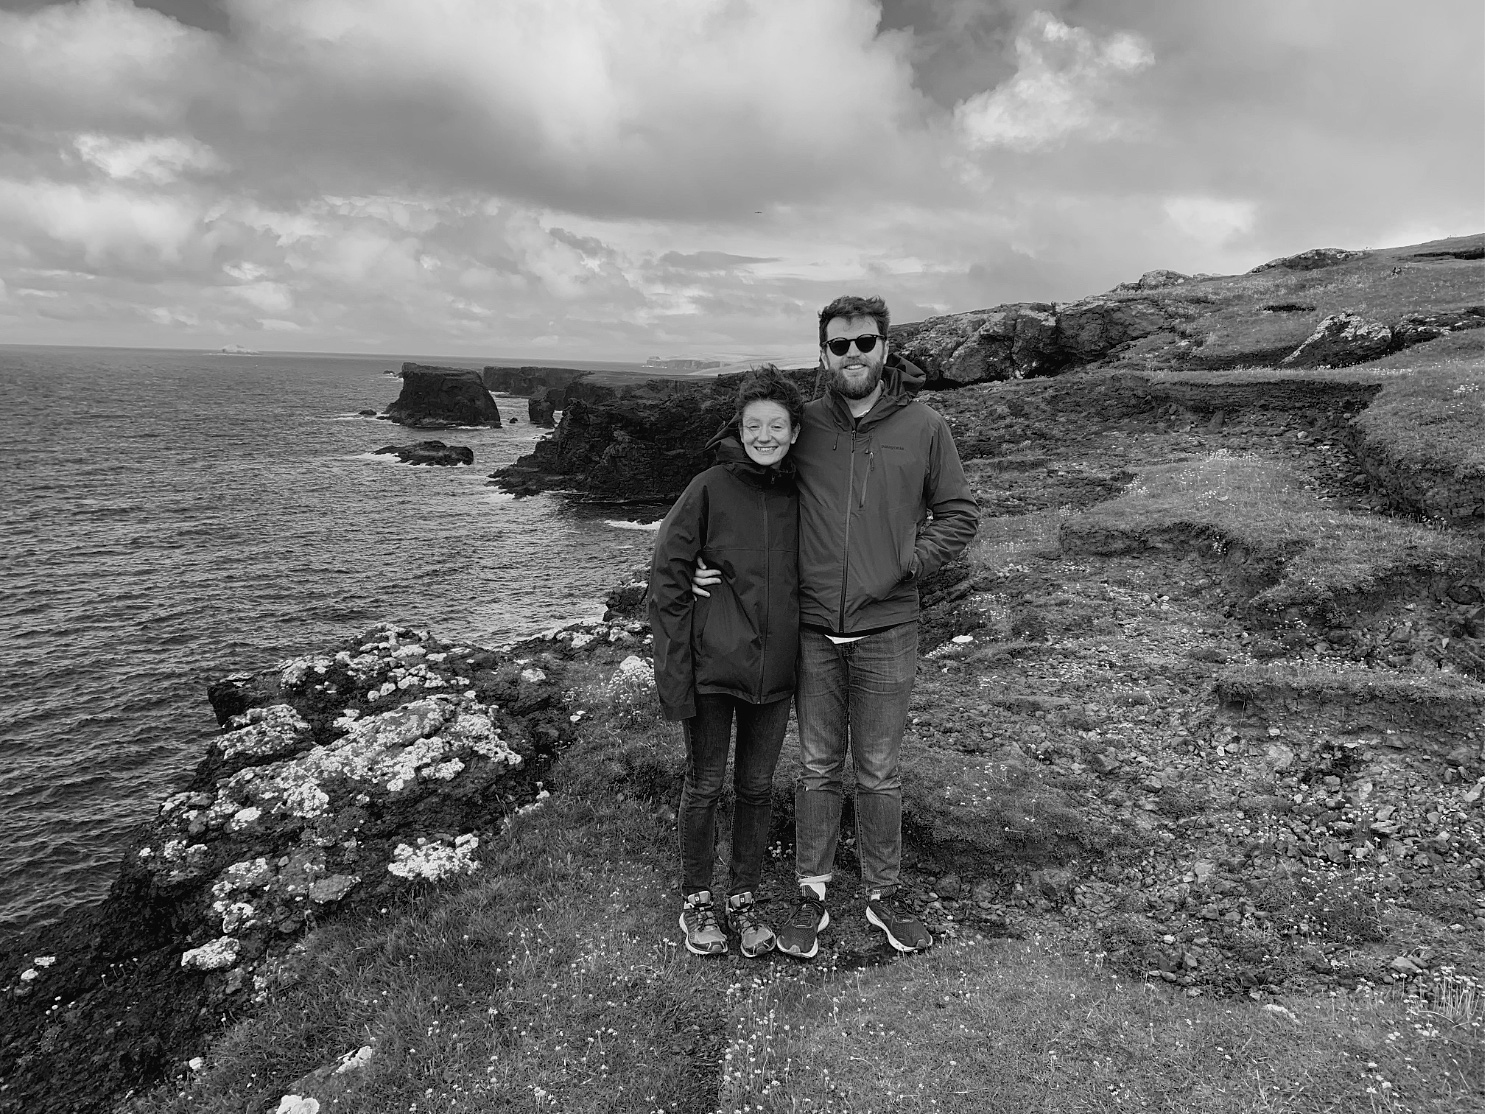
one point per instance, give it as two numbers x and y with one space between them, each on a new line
341 784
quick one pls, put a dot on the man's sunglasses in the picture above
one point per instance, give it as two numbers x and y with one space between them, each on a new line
865 343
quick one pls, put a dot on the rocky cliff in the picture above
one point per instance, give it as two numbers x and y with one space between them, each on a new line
442 398
529 380
1326 307
639 443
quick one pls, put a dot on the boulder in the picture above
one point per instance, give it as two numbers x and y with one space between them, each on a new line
1311 260
441 398
1415 328
1154 280
1008 342
430 452
1339 340
1094 327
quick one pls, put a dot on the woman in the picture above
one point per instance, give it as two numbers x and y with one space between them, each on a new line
731 654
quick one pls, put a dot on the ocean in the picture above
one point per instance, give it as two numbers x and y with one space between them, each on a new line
170 517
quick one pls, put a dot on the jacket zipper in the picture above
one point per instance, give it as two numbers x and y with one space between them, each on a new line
767 593
845 555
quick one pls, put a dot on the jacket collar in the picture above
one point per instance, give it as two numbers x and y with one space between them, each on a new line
732 456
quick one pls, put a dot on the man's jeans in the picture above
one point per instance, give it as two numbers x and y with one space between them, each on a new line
855 693
760 736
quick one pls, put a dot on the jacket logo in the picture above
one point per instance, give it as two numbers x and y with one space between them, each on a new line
899 448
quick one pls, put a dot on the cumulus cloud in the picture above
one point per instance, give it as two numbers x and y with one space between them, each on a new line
611 179
1210 221
159 160
1063 84
711 260
100 64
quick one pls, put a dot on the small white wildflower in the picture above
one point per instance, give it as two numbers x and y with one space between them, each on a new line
634 672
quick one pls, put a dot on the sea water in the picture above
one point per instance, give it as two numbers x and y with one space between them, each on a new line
170 517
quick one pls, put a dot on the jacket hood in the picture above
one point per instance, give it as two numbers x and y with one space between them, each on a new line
731 454
902 376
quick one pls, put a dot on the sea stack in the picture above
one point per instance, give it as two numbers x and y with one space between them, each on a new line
442 397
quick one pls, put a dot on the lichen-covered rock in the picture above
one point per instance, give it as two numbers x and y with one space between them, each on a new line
215 956
1311 260
1154 280
264 733
1416 328
1340 340
303 803
436 859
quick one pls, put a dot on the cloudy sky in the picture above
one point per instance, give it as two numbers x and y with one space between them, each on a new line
624 178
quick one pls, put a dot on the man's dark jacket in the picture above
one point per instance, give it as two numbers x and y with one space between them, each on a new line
866 488
742 640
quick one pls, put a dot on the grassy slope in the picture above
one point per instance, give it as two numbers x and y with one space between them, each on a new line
1226 322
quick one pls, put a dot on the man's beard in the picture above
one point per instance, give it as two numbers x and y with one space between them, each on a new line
843 387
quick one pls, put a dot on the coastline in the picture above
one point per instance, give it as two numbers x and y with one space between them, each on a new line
1203 701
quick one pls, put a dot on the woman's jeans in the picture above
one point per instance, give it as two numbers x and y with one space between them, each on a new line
760 736
853 696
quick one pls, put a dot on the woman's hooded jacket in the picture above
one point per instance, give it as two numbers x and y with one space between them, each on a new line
743 639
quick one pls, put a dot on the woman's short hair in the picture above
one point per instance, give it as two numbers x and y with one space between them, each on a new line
769 384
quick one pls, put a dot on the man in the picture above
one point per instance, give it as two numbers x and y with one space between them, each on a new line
873 464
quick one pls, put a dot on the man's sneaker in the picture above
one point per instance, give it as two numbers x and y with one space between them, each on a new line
904 931
754 937
699 923
800 937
